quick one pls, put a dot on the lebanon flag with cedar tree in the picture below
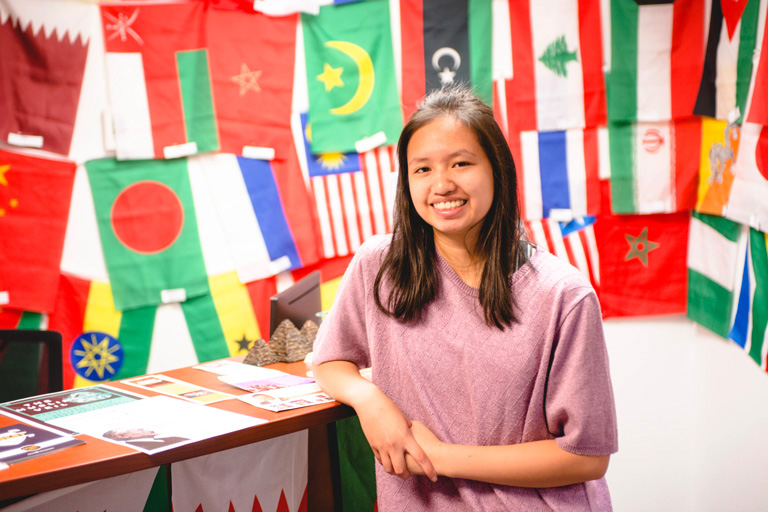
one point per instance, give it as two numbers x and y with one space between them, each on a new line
35 197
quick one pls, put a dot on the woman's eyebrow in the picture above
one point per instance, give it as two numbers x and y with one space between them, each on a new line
460 152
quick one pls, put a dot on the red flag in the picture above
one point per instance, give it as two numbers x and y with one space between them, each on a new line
41 73
757 104
642 264
252 60
34 204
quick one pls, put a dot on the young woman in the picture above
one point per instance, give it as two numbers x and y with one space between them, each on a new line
490 382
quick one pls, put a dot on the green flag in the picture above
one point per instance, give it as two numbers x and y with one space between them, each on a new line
351 77
148 230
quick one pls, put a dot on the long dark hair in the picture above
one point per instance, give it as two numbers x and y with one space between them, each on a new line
409 264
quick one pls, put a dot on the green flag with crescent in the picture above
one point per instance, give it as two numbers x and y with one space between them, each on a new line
353 100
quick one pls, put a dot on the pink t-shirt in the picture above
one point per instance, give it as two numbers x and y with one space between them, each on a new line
546 377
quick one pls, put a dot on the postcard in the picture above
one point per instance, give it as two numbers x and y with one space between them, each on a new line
288 398
177 388
259 384
19 442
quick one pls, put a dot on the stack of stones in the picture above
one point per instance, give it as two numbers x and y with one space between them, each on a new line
288 344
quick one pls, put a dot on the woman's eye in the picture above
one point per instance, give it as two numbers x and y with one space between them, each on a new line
462 164
420 170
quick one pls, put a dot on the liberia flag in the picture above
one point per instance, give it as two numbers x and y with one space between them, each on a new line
719 149
34 205
654 166
557 63
747 203
558 173
444 42
657 49
159 79
728 60
43 48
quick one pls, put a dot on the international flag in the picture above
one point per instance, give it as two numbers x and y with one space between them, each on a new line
573 242
353 193
719 150
747 203
158 75
749 327
558 173
657 51
35 196
17 319
148 230
351 82
101 343
654 166
642 264
728 60
757 101
253 214
557 61
43 48
252 62
268 475
445 42
713 263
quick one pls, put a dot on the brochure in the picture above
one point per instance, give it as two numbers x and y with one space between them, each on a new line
288 398
259 383
178 388
20 442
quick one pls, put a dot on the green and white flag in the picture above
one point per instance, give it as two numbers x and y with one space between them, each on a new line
148 231
353 99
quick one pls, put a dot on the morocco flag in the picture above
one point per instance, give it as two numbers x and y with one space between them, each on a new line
148 230
34 205
159 79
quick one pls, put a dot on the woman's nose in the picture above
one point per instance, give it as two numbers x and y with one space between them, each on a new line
444 181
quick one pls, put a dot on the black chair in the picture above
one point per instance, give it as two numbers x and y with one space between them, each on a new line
30 363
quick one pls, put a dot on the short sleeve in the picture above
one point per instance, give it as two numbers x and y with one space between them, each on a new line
343 334
579 404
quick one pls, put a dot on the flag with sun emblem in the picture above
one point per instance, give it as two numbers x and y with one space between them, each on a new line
445 43
557 60
35 197
354 104
747 203
148 230
654 166
642 264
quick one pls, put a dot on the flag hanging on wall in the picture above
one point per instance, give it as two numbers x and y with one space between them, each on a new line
252 62
445 43
757 101
713 265
719 150
43 48
749 327
657 50
148 230
642 264
747 203
654 166
557 60
353 95
33 221
728 60
158 73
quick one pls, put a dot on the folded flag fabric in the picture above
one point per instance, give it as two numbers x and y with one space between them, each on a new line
719 150
749 327
657 50
158 75
444 42
17 319
558 173
714 260
43 49
33 222
148 230
642 264
654 166
351 80
557 63
757 101
747 203
728 65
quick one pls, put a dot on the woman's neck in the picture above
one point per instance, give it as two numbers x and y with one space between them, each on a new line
467 264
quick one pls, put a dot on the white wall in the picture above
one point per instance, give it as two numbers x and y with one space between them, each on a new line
693 419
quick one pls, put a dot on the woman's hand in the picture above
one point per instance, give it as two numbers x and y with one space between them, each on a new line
428 442
389 433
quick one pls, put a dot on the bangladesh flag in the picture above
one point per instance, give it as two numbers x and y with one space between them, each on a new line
351 77
148 230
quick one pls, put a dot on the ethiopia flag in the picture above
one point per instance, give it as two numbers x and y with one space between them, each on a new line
148 230
351 80
35 196
159 79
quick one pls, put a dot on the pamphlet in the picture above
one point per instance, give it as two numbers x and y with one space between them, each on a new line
178 388
20 442
287 398
259 383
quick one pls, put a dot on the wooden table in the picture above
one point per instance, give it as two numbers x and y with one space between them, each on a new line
99 459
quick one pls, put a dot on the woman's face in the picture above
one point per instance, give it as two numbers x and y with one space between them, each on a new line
450 179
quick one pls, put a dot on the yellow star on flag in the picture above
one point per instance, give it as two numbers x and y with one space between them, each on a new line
3 170
247 79
331 77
